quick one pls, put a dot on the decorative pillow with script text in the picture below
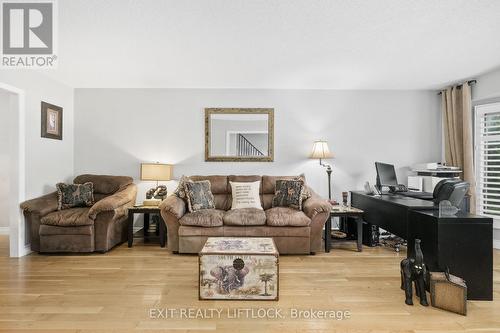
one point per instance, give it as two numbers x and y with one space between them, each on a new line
245 195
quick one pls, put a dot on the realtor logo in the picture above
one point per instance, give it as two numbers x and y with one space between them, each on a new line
28 34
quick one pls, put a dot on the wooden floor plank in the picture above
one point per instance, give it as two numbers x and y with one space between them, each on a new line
114 292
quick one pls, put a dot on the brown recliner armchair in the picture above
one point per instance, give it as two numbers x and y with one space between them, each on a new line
82 229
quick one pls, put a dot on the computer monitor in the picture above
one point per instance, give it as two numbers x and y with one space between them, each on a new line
386 175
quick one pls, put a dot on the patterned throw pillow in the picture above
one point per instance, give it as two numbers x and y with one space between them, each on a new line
75 195
199 195
306 194
289 193
180 191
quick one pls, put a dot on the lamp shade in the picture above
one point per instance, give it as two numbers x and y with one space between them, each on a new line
156 171
320 150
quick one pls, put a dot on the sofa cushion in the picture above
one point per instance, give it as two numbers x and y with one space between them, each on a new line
267 201
203 218
189 231
68 218
285 216
105 184
245 231
269 182
265 231
289 193
222 201
99 196
199 195
75 195
245 179
218 184
245 216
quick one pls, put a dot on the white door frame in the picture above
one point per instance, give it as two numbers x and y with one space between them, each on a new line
17 227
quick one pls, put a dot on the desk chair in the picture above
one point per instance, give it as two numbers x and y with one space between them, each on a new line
453 190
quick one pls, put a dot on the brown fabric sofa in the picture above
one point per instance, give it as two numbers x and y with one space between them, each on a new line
294 231
82 229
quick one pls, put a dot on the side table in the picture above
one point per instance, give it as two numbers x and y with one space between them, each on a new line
146 210
344 211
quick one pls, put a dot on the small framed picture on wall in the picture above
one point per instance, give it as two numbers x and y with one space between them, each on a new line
52 121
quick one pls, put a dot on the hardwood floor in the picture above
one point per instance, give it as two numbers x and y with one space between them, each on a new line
114 292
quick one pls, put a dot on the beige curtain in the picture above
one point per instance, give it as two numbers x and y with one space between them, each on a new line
457 118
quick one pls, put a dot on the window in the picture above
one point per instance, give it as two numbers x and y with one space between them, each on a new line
487 158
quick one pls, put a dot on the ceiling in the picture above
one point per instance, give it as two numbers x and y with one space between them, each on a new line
296 44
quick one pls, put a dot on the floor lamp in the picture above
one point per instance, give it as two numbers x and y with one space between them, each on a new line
321 151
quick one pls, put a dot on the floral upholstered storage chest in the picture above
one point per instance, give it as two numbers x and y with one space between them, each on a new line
234 268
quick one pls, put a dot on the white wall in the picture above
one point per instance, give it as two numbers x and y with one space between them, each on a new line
47 161
487 86
117 129
5 138
44 161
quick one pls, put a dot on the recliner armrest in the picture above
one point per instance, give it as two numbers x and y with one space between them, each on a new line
41 206
124 197
173 205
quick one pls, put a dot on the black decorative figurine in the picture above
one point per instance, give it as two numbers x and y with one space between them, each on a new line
413 269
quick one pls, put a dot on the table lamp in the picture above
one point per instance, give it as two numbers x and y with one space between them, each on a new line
156 172
321 151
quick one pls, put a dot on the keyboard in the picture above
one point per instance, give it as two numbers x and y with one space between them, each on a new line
417 195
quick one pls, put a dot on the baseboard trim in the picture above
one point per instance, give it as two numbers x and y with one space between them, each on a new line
496 244
25 251
4 230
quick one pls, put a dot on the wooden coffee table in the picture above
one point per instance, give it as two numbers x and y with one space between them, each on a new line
344 211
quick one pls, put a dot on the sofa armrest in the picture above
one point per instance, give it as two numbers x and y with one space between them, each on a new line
41 206
124 197
315 205
173 205
172 209
318 210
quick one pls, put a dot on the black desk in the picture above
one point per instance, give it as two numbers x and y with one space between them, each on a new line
389 211
463 243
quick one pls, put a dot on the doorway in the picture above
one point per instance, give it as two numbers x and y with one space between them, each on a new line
12 170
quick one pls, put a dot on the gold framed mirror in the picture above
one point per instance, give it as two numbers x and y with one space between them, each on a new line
239 134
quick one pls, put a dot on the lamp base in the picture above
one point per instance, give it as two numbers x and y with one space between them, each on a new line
151 202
